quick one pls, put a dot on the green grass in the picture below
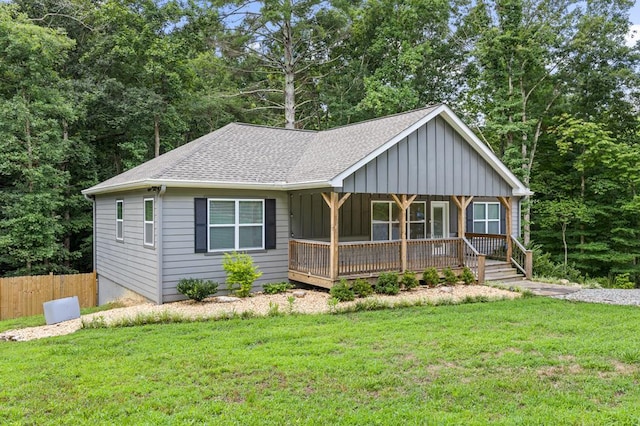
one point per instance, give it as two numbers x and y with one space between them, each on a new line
37 320
528 361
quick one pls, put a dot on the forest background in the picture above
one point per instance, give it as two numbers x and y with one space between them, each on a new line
90 88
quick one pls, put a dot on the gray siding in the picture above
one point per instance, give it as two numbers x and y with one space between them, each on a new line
433 160
179 259
515 216
126 263
310 216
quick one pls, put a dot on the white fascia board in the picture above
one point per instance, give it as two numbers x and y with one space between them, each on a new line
517 192
147 183
337 182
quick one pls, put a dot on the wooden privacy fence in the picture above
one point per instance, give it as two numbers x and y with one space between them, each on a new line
24 296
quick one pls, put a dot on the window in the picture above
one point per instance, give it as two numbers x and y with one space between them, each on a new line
235 224
119 220
148 222
486 218
385 220
416 222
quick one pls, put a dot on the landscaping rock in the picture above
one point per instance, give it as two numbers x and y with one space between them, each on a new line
299 294
446 289
227 299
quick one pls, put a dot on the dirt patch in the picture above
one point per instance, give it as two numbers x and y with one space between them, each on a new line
259 304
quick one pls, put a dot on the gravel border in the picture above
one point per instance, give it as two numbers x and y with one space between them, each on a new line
604 295
310 302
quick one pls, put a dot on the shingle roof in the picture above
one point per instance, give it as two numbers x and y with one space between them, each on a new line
335 150
243 155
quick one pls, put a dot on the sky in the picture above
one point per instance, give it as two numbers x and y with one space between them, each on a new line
634 30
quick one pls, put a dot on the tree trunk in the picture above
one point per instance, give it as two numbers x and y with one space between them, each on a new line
564 243
156 128
67 215
289 77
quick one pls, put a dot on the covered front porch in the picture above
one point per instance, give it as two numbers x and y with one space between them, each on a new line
323 261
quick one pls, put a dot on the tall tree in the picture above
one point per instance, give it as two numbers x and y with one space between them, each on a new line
521 52
407 52
35 110
288 44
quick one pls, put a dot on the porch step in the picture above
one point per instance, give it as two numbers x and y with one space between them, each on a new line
502 272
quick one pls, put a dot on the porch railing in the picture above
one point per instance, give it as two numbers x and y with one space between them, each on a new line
494 246
310 257
522 258
368 256
440 253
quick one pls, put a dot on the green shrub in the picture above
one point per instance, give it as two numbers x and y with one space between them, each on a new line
467 276
362 288
275 288
449 276
387 283
241 273
622 281
196 289
544 266
342 291
431 277
409 280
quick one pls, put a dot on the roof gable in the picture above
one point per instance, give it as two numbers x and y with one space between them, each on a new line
248 156
434 159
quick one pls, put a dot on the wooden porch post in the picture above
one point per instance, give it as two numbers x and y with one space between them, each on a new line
403 203
334 204
461 203
481 268
506 202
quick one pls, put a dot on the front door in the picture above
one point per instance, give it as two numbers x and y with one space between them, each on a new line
439 219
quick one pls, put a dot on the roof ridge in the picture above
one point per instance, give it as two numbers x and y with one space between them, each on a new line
369 120
264 126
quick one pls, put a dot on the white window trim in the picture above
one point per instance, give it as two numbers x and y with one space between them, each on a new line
121 220
146 222
237 225
392 222
486 219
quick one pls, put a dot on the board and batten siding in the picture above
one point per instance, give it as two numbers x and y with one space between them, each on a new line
434 160
128 263
310 216
179 259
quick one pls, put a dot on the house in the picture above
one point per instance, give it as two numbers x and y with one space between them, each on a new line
402 192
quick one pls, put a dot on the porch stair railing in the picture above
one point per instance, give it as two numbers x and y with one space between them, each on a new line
474 260
522 258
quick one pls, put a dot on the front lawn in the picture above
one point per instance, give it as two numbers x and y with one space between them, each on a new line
534 360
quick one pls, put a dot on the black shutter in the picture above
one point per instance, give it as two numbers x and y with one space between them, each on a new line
200 214
269 223
469 217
